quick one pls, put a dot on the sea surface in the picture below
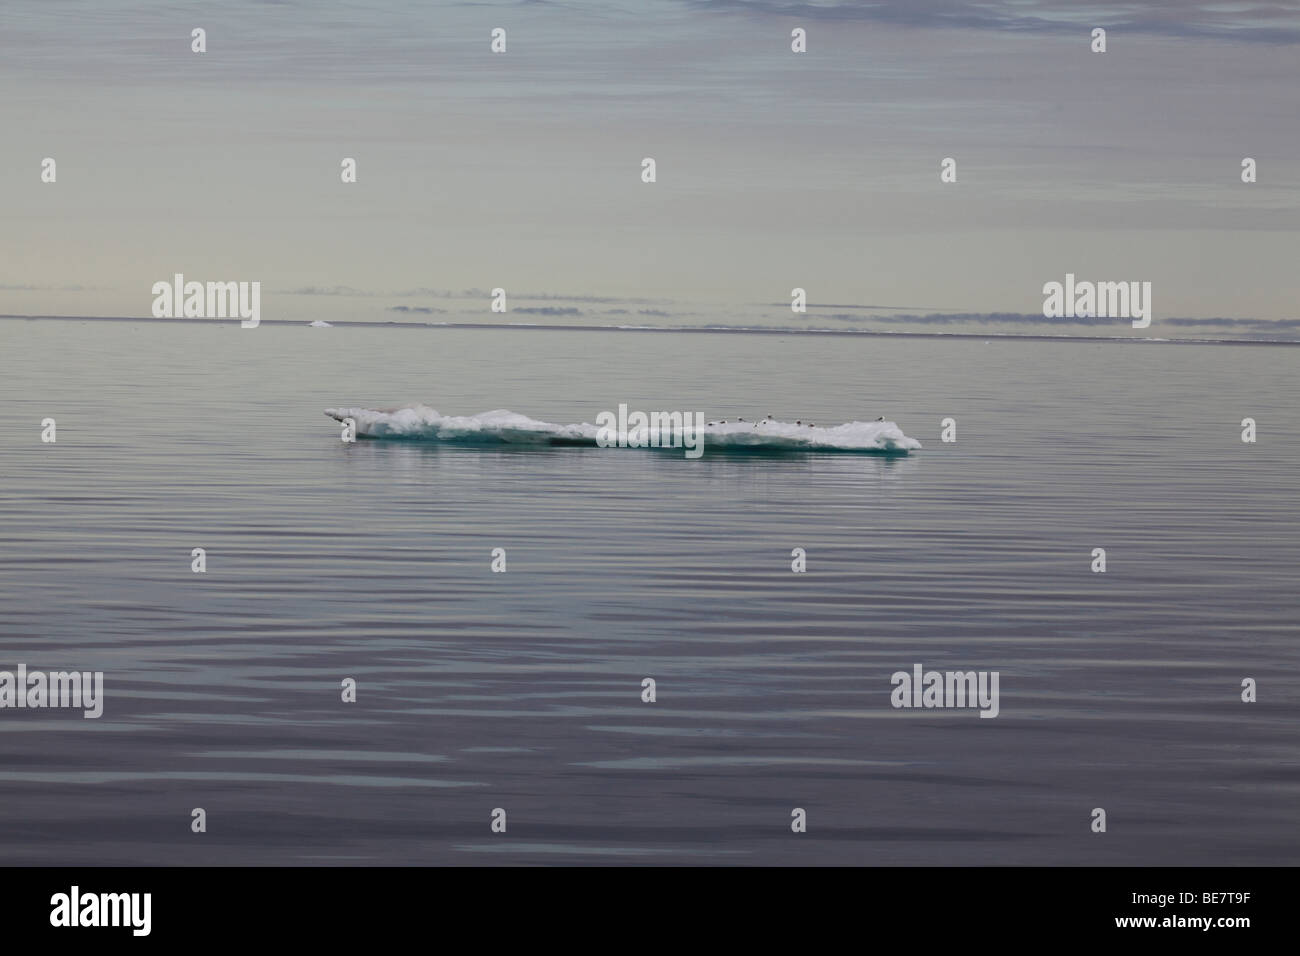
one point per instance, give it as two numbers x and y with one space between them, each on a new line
522 690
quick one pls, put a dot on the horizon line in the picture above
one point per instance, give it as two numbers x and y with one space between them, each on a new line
718 330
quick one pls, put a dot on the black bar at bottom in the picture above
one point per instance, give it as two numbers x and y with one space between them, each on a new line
460 907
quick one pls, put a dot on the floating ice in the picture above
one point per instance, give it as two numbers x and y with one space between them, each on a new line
501 426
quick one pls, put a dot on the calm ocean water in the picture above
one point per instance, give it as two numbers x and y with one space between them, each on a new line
522 690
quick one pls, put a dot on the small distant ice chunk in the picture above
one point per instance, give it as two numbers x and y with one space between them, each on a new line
320 324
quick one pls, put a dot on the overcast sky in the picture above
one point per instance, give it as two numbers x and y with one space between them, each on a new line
775 170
